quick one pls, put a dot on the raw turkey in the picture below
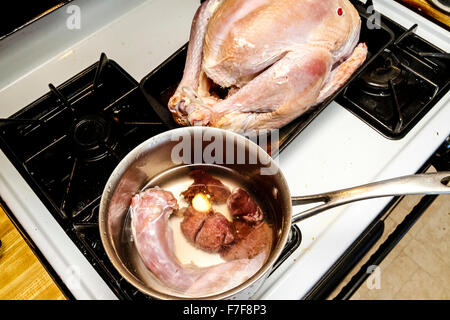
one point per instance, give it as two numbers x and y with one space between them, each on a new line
259 64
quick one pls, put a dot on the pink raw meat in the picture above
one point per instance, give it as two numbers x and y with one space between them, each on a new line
150 212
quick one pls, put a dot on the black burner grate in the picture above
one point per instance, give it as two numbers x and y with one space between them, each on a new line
400 86
67 143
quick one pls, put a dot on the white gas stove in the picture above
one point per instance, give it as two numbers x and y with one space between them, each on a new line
335 151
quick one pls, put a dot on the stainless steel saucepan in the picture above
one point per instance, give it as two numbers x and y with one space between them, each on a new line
253 167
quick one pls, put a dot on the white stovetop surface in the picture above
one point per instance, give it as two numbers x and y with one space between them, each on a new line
337 150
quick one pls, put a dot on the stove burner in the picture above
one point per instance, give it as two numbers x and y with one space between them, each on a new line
91 131
379 76
94 137
71 139
400 85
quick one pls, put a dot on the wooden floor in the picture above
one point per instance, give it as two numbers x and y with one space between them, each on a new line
22 276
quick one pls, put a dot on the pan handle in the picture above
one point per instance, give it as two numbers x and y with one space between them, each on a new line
428 183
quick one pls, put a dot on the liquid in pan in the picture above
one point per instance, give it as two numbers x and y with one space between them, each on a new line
197 230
